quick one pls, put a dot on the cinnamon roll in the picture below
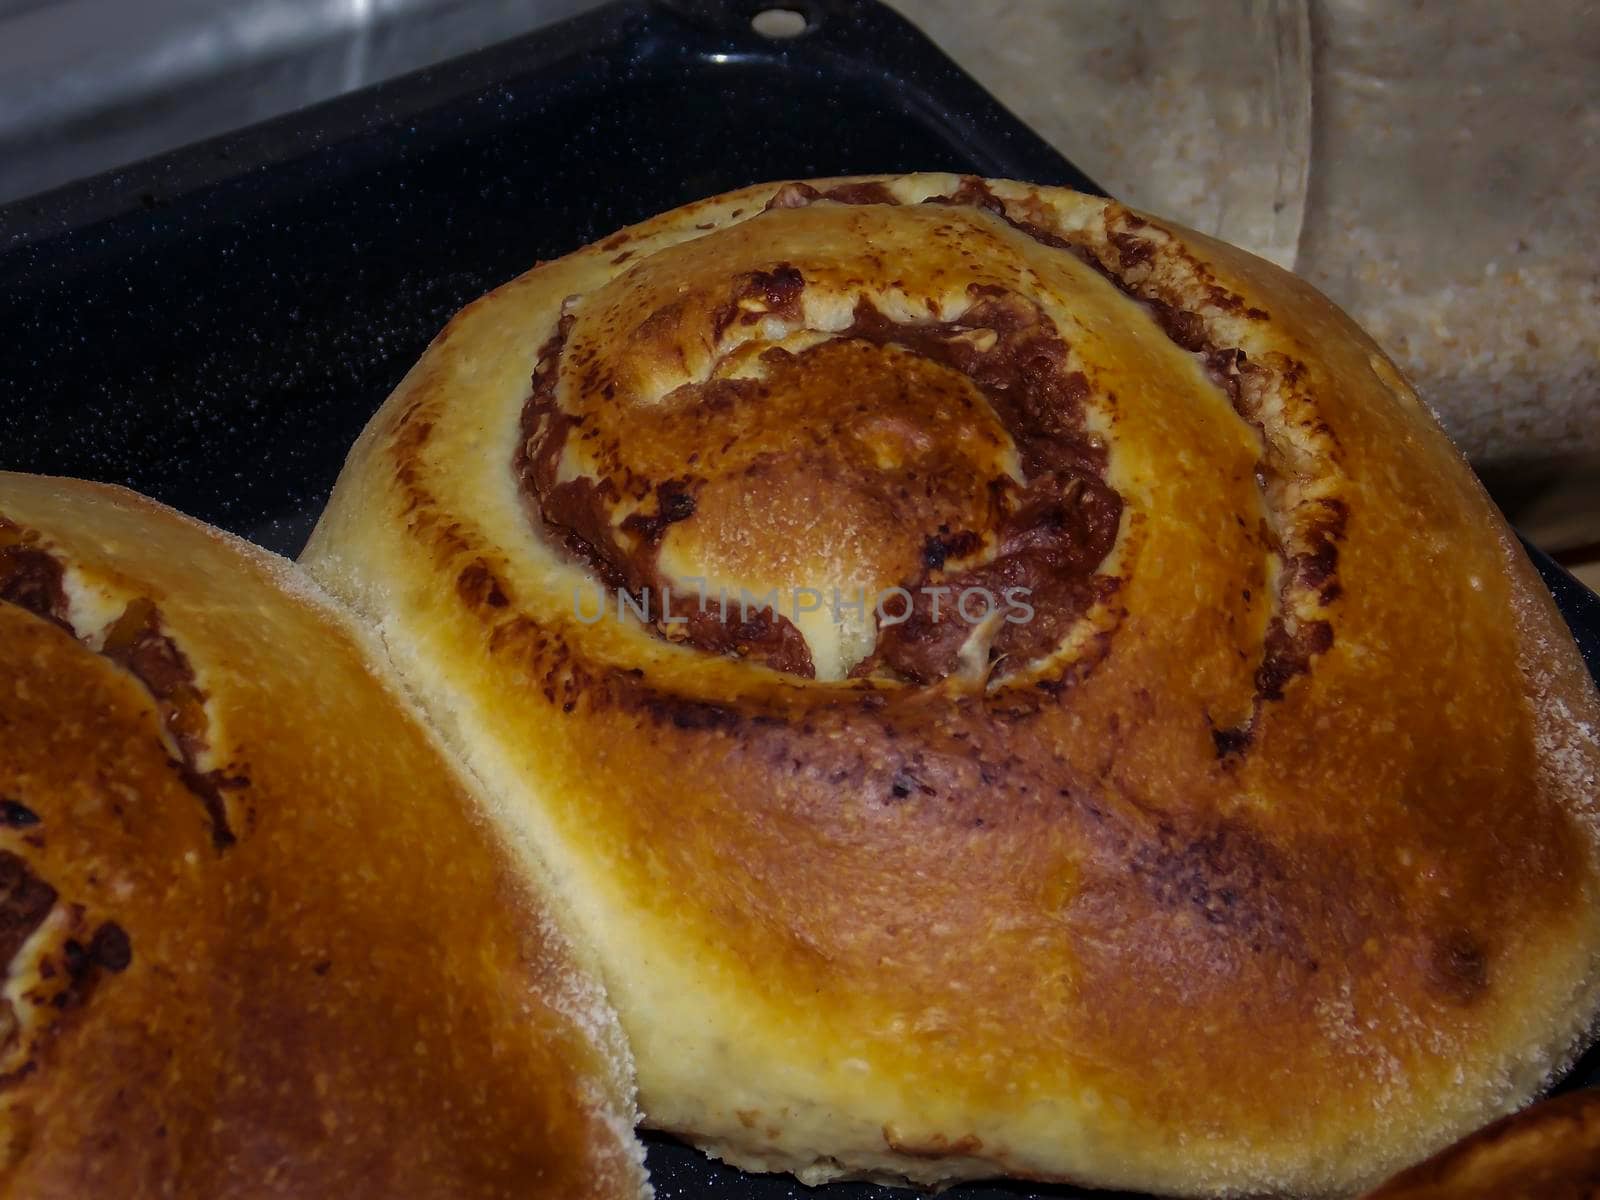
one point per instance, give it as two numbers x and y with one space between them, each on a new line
1002 684
257 941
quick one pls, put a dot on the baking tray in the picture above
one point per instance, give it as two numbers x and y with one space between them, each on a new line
214 327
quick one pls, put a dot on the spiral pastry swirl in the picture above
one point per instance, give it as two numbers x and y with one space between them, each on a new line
1001 685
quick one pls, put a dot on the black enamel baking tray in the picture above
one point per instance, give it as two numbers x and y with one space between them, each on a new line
214 327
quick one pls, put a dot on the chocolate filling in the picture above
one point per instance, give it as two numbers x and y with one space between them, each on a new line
576 515
1051 533
1289 645
16 815
760 294
32 578
798 195
25 901
1054 530
109 950
135 643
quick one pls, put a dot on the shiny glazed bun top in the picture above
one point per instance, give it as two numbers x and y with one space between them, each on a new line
1004 684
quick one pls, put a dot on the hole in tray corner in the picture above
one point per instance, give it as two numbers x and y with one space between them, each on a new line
780 23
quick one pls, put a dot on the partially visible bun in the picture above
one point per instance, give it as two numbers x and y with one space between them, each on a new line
1259 858
256 940
1548 1152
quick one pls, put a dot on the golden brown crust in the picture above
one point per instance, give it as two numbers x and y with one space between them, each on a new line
1549 1152
1273 870
345 992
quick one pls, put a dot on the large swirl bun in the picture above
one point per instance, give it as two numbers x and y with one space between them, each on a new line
1242 840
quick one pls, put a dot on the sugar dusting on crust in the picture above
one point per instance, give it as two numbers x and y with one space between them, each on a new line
579 997
624 1147
1568 741
1569 757
1566 733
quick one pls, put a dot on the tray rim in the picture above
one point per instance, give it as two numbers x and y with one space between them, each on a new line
849 36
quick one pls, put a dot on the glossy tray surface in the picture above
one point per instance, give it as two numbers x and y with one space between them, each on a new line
214 327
